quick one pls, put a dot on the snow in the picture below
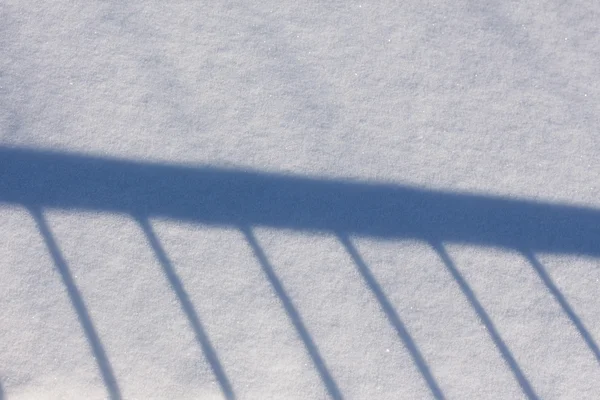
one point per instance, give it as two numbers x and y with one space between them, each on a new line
298 200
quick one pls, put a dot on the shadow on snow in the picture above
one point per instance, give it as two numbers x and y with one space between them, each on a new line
244 200
238 198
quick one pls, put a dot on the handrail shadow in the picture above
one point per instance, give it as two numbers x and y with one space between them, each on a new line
238 198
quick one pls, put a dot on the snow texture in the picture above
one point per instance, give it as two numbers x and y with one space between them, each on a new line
299 200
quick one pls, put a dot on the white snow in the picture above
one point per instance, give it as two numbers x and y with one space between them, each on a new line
249 285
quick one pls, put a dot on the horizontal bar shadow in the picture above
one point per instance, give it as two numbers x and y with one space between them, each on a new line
83 315
186 304
487 321
552 288
392 316
233 198
294 315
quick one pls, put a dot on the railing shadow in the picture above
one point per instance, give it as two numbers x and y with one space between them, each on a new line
392 316
188 308
562 301
486 320
244 200
294 315
77 301
237 198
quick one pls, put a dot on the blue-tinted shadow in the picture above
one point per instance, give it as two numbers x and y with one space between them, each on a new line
238 198
486 320
293 315
188 308
246 199
392 317
82 313
562 301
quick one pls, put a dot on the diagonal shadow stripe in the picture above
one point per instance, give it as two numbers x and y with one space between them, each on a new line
77 301
186 304
487 321
238 198
294 315
541 271
392 317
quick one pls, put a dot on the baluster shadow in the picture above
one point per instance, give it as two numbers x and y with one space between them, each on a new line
294 315
552 288
83 315
186 305
392 316
487 321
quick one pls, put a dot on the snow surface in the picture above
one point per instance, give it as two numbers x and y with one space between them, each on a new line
299 200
